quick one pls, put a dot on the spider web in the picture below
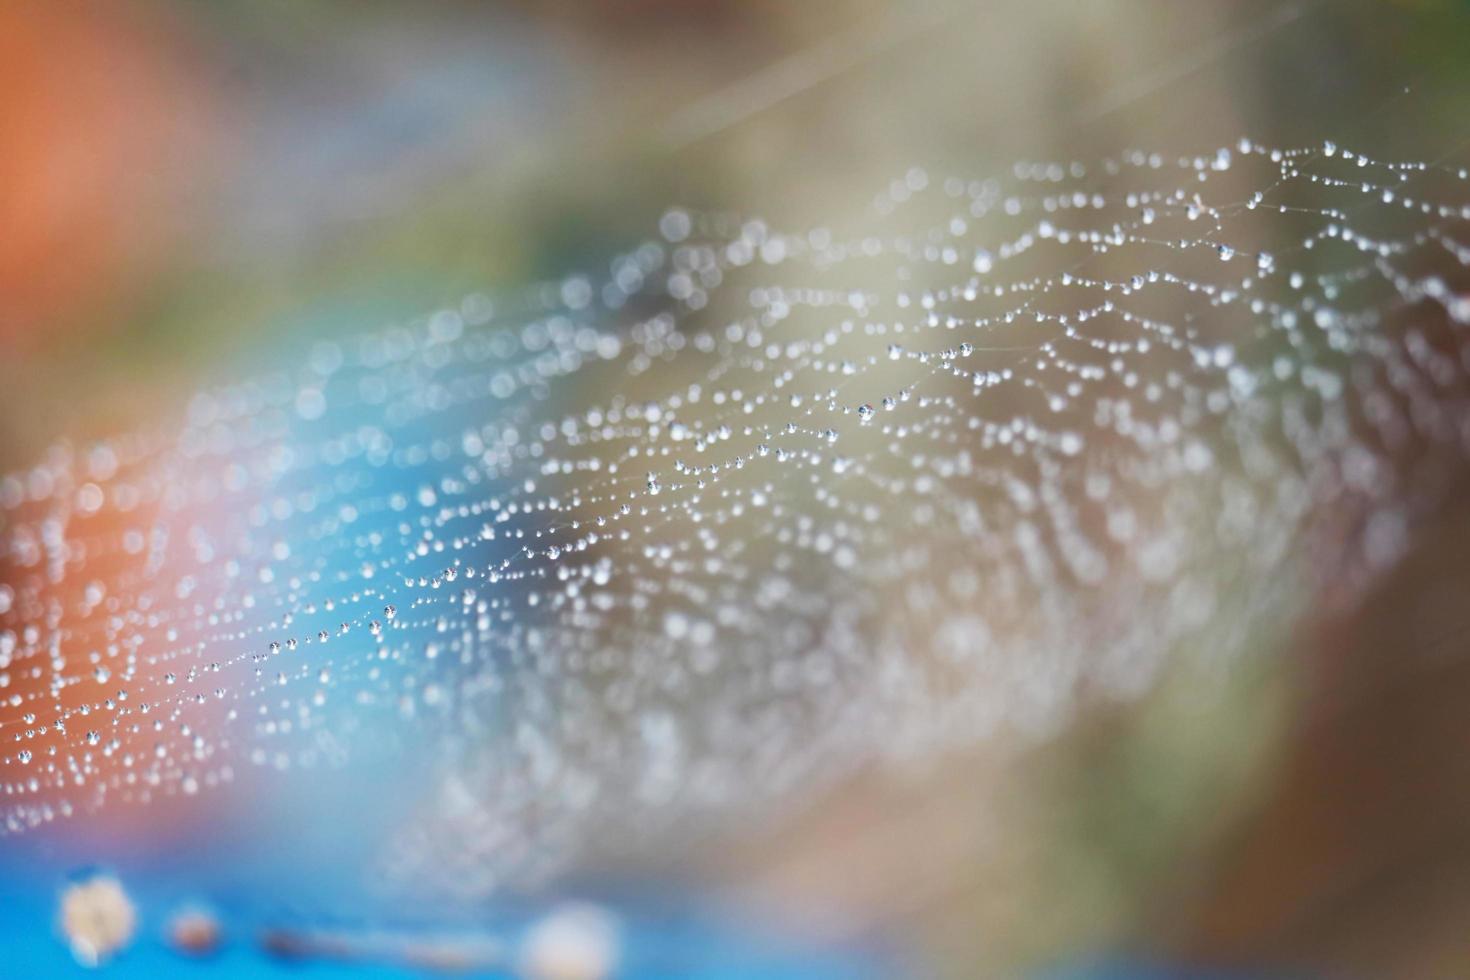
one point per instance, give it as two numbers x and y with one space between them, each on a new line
637 555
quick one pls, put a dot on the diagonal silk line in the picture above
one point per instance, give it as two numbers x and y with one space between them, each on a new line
798 73
791 76
1197 58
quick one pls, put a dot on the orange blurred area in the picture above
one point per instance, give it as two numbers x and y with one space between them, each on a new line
100 124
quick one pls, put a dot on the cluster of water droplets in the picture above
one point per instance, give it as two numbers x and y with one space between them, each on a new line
649 552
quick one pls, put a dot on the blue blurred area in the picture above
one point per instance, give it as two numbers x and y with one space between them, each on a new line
303 858
244 890
33 951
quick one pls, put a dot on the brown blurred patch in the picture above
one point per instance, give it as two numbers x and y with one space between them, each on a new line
1359 860
97 121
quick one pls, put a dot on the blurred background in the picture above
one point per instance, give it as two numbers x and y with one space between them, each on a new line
188 189
184 184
